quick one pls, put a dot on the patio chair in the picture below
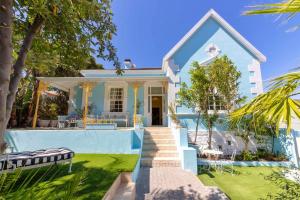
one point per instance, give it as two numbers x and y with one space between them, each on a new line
62 119
229 162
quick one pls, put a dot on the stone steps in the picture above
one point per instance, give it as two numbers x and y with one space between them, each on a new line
159 148
156 147
162 153
159 141
158 136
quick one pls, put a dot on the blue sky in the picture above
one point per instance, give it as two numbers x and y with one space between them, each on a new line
148 29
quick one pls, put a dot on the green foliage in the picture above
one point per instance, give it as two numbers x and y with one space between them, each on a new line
246 126
275 106
225 76
51 107
285 7
173 115
72 32
246 156
289 190
25 185
218 79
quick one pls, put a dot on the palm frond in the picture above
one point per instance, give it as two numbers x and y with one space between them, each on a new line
284 7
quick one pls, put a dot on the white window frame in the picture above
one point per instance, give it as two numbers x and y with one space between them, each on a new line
113 98
108 86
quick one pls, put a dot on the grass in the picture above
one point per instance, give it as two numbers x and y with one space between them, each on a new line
246 183
100 170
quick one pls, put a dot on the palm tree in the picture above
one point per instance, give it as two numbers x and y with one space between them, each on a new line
278 104
289 7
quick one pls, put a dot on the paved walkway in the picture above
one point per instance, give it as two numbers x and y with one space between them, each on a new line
173 184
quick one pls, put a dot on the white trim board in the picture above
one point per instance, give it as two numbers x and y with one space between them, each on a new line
212 13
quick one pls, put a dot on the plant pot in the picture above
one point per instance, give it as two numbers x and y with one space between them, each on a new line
43 123
53 123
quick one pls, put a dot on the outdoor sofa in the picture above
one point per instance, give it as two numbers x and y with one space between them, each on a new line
34 159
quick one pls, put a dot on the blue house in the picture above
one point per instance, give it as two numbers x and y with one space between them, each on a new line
103 100
212 36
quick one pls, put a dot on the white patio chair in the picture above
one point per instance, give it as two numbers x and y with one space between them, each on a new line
230 162
62 121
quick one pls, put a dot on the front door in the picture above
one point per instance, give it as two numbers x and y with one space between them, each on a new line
157 110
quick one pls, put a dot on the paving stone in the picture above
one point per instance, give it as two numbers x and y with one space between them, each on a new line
173 183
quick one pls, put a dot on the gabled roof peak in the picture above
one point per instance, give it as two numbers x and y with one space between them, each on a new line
212 13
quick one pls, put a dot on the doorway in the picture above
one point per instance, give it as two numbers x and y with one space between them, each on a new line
156 110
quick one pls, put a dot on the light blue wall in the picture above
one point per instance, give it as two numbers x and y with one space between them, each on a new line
190 122
130 102
194 50
286 144
80 141
97 98
188 155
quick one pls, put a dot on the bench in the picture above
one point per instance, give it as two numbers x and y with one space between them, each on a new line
116 117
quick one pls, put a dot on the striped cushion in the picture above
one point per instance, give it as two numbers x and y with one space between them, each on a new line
34 158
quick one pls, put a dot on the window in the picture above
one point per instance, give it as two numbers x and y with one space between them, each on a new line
216 102
116 99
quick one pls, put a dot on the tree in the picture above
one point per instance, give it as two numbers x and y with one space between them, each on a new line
277 105
208 87
247 125
288 7
71 29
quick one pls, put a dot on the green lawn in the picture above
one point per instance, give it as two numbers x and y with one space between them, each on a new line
99 172
247 183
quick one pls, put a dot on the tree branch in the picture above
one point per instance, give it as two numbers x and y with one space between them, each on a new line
20 62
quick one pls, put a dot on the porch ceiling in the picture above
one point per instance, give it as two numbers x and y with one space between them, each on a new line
65 83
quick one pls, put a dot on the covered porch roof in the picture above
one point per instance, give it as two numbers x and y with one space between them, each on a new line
65 83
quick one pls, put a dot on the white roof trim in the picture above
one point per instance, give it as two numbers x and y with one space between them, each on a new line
212 13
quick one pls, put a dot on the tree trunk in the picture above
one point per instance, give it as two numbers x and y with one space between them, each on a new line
19 65
209 138
273 142
32 104
9 83
196 134
209 125
6 22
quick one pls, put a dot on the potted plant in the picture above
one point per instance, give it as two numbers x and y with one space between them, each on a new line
44 116
139 121
53 115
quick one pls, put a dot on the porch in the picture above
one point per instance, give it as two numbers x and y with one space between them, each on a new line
97 102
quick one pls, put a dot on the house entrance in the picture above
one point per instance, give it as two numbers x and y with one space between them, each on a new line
157 110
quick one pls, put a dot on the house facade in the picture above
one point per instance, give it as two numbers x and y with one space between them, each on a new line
149 91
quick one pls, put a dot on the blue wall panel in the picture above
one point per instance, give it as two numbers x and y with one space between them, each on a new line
80 141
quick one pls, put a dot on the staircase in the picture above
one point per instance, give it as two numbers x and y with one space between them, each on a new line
159 148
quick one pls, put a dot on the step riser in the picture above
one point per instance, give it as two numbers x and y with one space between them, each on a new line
158 132
159 141
160 163
158 137
156 148
156 154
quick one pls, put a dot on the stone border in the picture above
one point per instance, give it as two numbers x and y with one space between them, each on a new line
248 163
123 178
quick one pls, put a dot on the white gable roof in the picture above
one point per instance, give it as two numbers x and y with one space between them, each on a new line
212 13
